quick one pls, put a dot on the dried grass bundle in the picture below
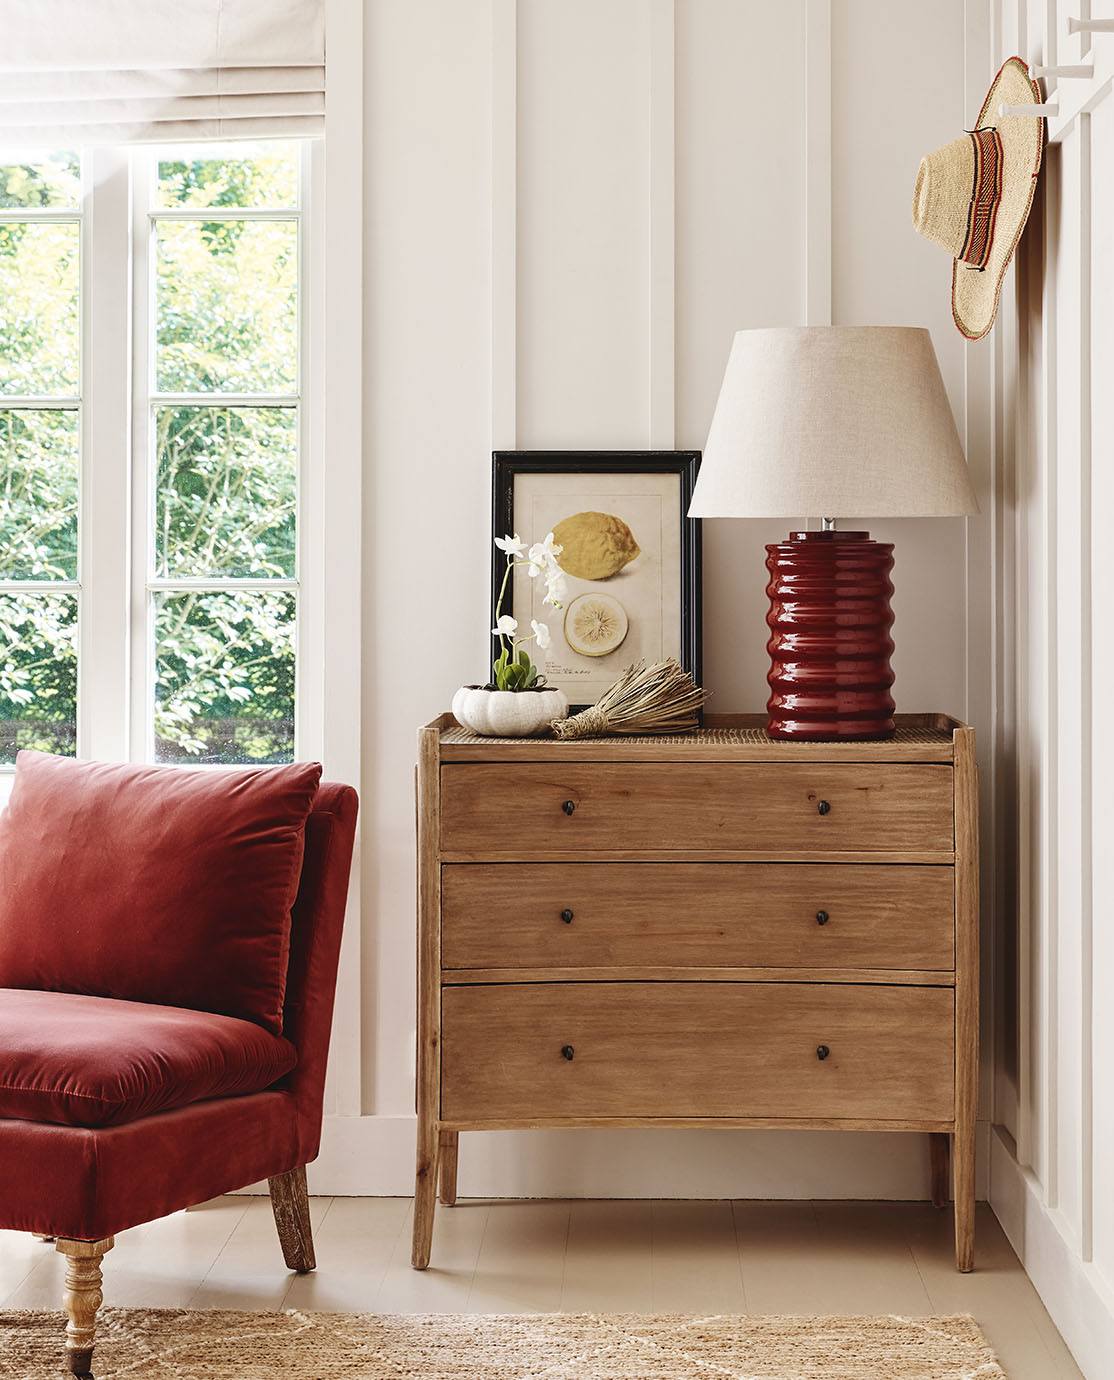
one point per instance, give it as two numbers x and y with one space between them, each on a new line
662 698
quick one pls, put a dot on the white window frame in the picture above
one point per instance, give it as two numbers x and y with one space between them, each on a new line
38 402
306 397
104 692
114 404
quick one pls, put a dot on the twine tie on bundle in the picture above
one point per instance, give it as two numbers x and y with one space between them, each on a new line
662 698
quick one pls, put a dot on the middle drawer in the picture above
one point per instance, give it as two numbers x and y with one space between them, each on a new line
714 915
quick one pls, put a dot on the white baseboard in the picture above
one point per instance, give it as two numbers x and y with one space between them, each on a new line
1077 1297
374 1156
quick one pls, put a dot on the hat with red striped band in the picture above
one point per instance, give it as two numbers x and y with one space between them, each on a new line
972 197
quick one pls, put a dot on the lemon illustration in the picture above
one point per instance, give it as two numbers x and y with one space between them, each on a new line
595 624
596 545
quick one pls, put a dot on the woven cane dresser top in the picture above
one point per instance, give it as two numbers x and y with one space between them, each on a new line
736 737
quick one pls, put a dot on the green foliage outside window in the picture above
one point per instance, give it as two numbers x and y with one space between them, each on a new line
225 476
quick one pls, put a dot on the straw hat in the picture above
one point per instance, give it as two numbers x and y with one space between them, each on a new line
973 196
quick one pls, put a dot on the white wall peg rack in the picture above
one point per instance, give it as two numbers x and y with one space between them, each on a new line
1090 26
1078 69
1030 111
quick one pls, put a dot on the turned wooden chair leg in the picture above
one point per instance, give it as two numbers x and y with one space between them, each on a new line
82 1298
938 1143
290 1204
450 1141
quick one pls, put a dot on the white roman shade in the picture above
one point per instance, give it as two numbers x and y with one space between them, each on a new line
128 71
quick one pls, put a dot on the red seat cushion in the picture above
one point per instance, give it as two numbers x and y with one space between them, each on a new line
94 1061
156 884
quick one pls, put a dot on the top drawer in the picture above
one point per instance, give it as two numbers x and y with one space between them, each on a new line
533 810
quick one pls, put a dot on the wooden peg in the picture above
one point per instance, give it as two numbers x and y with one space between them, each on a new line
1090 26
1077 69
1029 112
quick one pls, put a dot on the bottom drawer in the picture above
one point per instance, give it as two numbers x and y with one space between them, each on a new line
696 1049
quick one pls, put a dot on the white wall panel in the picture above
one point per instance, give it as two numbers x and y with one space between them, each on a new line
1102 668
570 209
884 272
583 224
1053 1185
427 410
1067 1070
741 245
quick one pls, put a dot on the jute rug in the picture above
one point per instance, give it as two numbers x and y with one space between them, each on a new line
174 1344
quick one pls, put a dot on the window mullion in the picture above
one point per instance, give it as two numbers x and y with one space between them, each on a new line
142 498
105 458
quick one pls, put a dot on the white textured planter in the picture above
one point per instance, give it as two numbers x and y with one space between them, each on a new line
508 713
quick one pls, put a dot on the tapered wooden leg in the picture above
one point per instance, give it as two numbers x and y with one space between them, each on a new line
290 1204
425 1192
82 1298
966 812
449 1144
938 1142
963 1163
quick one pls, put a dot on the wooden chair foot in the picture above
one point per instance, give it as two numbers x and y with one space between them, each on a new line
450 1142
939 1161
290 1204
82 1298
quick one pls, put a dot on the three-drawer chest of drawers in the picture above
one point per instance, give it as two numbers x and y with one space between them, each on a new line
706 929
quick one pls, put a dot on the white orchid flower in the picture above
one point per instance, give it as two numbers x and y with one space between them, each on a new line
505 626
541 632
534 570
544 553
556 589
513 546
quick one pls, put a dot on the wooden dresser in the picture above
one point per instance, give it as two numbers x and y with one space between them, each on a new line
712 929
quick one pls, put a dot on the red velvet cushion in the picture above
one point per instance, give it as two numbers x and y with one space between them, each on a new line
169 885
93 1061
89 1182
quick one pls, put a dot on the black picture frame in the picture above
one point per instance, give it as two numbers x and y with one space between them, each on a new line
506 465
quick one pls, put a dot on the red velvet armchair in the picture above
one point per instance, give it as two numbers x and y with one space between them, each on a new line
115 1109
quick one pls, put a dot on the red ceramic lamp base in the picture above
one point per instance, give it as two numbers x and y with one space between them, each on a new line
830 643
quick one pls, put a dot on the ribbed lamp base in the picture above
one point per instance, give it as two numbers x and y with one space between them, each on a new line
830 643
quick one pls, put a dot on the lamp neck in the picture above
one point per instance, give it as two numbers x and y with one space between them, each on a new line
827 524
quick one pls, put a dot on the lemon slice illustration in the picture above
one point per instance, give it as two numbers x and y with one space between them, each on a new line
595 624
596 546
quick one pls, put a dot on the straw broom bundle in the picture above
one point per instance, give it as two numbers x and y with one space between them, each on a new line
662 698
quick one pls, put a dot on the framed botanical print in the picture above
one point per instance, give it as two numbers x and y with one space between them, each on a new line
629 551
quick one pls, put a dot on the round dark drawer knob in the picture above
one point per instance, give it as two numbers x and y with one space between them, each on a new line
822 1052
567 1051
569 806
566 916
822 807
821 917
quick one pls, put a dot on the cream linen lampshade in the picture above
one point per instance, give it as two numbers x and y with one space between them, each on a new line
835 421
831 421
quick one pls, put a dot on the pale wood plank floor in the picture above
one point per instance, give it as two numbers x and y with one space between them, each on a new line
500 1257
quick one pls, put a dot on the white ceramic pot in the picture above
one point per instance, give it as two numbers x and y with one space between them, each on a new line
508 713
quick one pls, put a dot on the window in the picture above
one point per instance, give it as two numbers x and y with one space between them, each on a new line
223 426
40 430
211 241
